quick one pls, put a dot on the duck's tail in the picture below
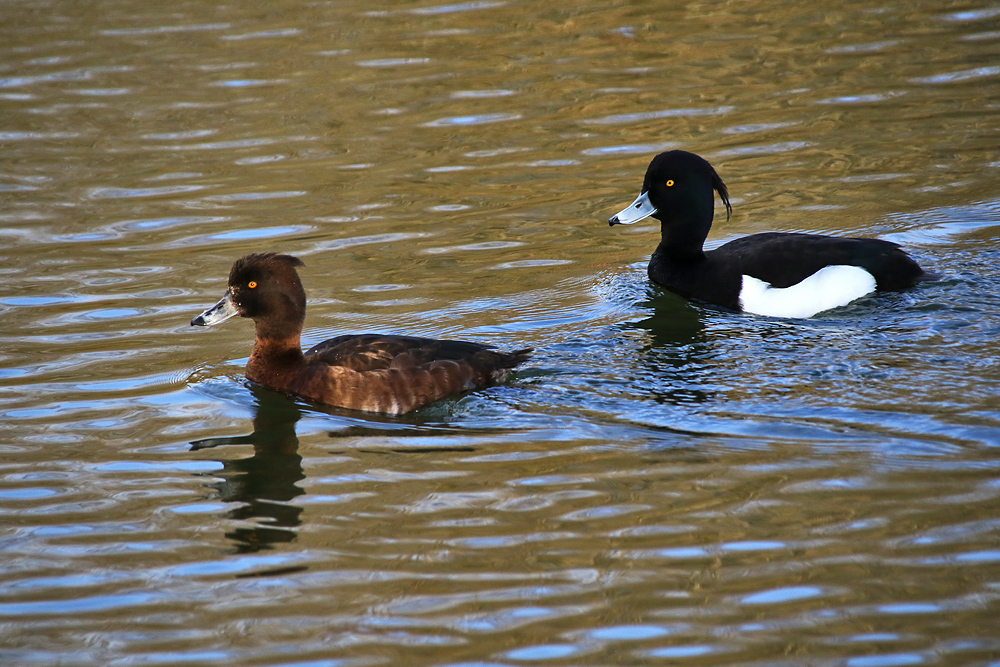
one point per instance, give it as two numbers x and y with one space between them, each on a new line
505 362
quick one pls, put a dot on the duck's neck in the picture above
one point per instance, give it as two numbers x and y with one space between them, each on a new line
682 237
274 356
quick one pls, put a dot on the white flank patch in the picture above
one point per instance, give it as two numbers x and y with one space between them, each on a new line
830 287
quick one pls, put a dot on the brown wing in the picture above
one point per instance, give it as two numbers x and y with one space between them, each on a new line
395 374
370 352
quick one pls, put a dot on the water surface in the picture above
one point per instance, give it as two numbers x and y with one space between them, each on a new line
663 484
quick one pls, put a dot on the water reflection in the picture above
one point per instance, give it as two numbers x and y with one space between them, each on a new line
672 322
265 483
675 350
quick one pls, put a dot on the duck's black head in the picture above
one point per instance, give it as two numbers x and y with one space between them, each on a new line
266 288
679 191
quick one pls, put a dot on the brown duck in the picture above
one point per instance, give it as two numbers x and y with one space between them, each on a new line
373 372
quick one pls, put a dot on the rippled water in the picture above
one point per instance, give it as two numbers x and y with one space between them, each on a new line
663 484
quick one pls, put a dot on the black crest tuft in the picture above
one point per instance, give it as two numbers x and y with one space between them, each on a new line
720 187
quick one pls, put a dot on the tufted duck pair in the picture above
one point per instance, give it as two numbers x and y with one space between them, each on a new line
784 275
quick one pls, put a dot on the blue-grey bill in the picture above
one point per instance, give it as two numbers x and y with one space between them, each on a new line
638 210
220 312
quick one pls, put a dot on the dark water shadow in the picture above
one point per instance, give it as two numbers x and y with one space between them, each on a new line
676 349
672 323
265 483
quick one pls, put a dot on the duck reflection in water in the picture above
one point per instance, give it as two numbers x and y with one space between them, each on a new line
265 483
676 352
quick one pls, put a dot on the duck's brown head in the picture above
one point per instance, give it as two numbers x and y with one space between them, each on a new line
266 288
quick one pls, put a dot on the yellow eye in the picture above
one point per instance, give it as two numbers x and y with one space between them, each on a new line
251 284
670 183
